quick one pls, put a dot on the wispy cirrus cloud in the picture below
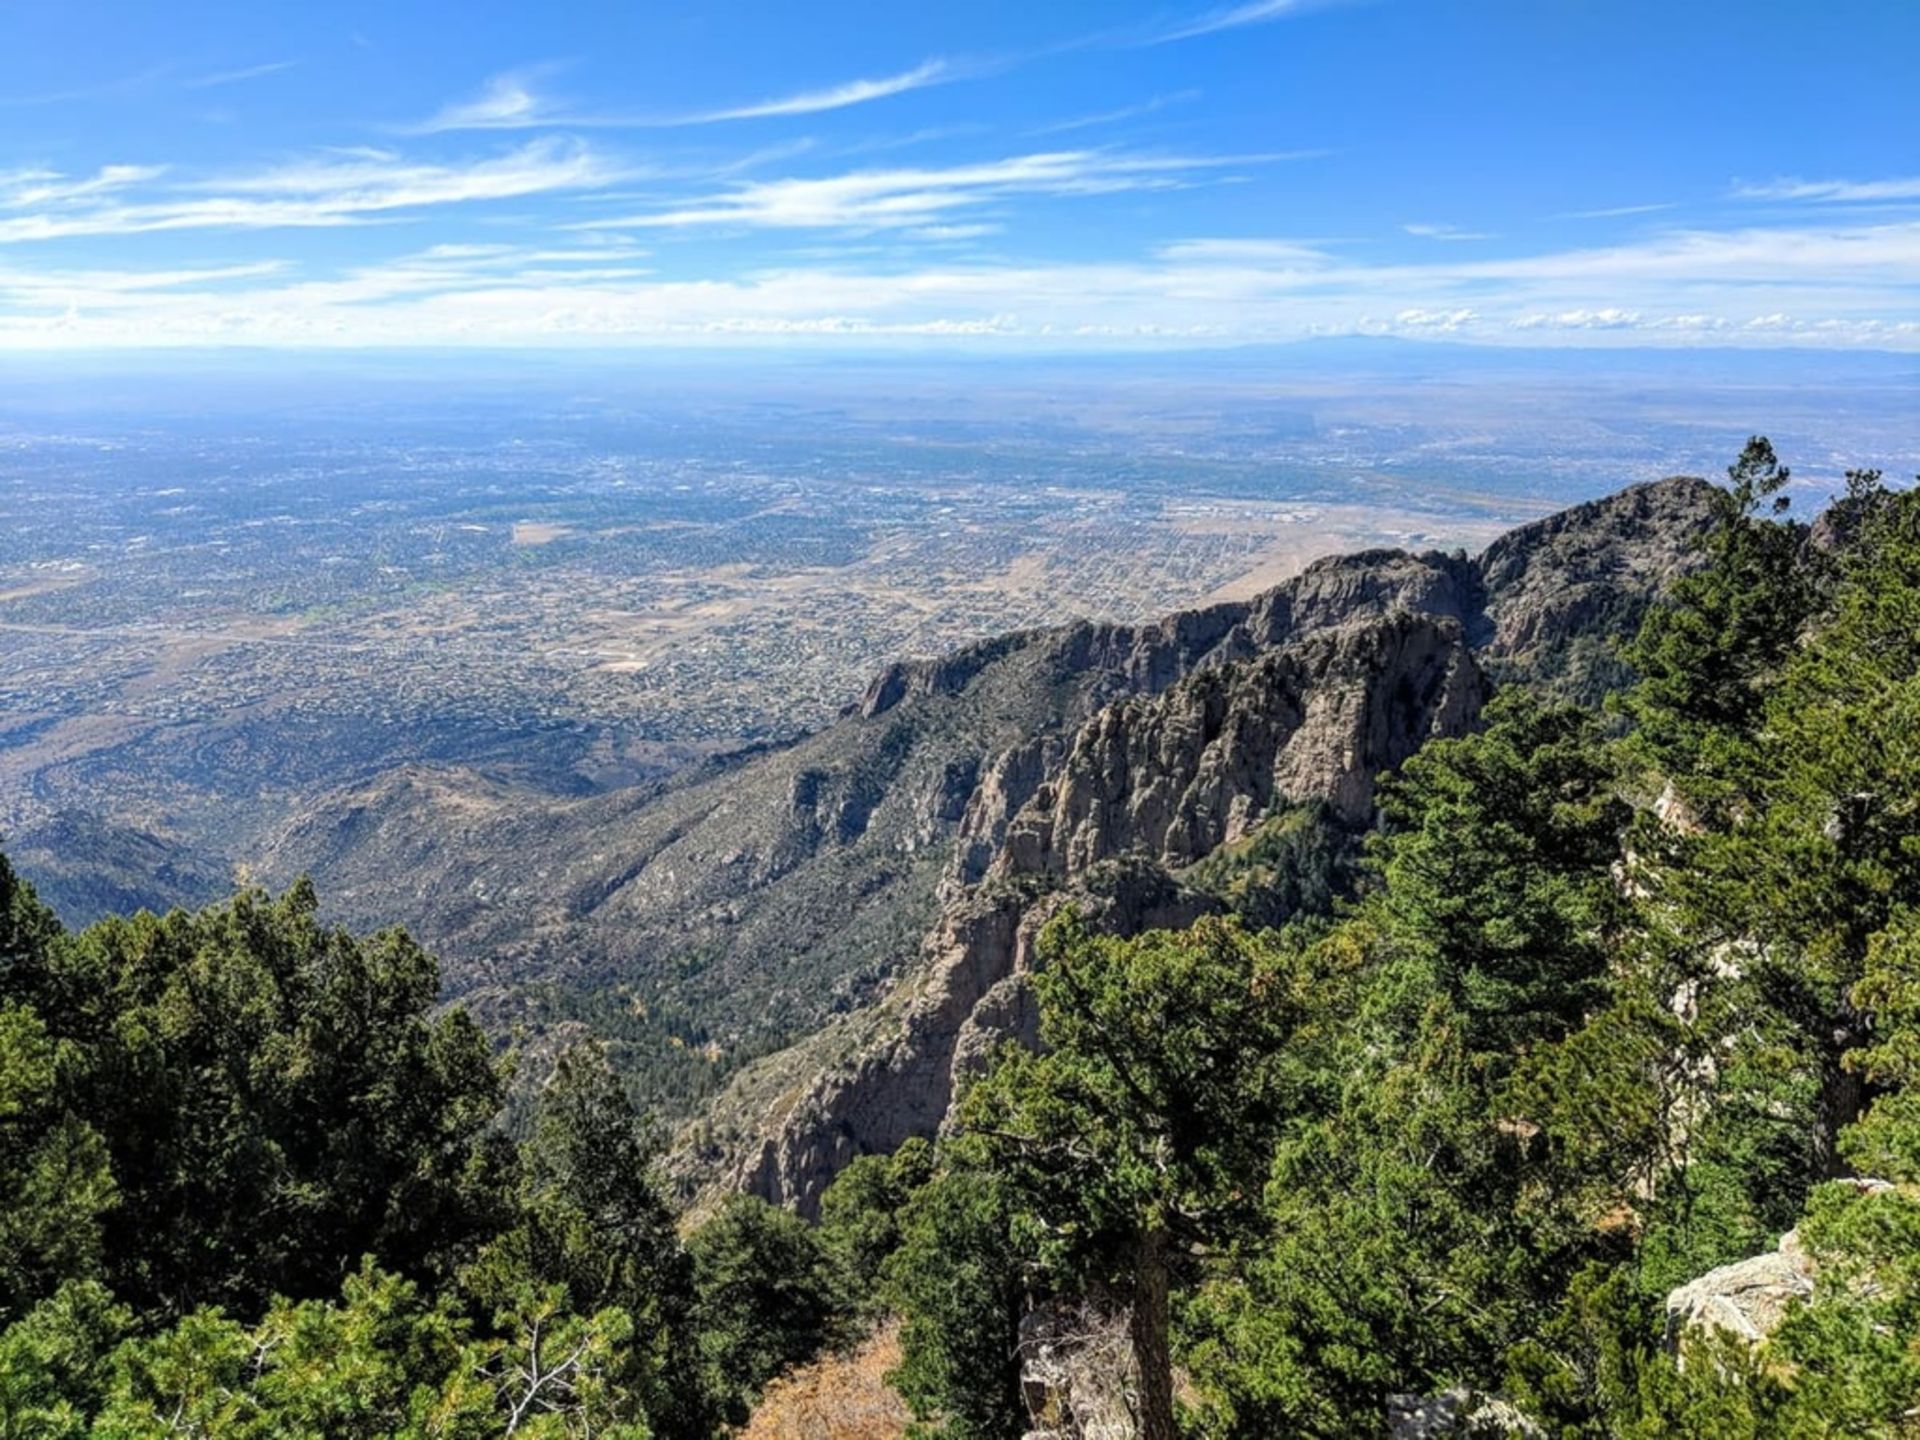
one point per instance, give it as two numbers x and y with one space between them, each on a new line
152 78
22 188
235 77
1833 191
914 196
514 100
137 280
122 290
374 179
1266 255
1427 231
508 101
1838 256
971 230
1150 106
306 194
98 90
457 269
438 270
1841 285
1234 17
1616 212
834 97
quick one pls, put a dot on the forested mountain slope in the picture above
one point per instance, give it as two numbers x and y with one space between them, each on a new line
737 908
1271 743
1591 1114
1142 792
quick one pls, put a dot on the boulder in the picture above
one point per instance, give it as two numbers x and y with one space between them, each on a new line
1750 1297
1076 1373
1458 1412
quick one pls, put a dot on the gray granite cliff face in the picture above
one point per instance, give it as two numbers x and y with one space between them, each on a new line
1168 741
1143 788
1176 776
1588 570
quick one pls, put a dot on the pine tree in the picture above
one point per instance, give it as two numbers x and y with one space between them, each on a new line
1141 1132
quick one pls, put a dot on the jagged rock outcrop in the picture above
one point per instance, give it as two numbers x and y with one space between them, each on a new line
1592 568
1174 739
1009 783
1750 1297
939 675
1145 787
970 997
1176 776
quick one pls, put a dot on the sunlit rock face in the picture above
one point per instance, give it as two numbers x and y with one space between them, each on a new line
1165 743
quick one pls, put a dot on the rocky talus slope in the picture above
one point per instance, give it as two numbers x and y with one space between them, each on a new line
1181 738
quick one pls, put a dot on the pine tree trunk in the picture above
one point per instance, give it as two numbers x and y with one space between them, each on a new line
1152 1354
1842 1097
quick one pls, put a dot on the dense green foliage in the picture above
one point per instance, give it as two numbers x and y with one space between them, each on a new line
1140 1132
252 1185
959 1279
1298 862
863 1218
769 1297
1622 997
267 1100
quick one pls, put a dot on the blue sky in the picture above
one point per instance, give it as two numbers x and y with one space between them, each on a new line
1034 175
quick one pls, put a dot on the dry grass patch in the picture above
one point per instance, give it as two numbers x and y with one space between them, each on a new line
838 1397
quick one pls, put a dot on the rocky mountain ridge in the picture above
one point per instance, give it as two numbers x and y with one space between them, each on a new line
1300 697
1177 775
745 902
777 902
1145 788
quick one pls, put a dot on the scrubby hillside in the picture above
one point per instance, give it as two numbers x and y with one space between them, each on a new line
86 867
706 921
